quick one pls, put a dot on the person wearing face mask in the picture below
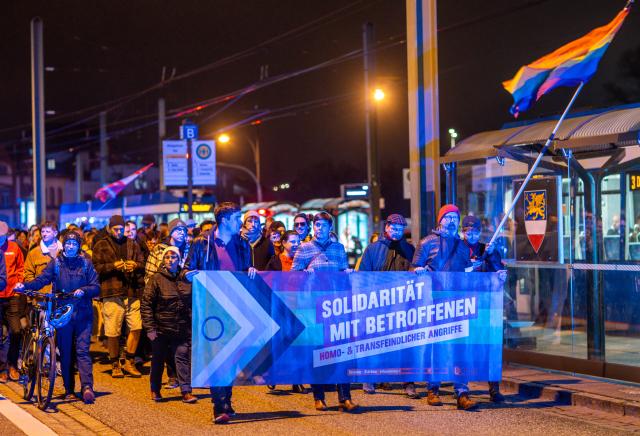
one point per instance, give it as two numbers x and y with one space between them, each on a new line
491 262
166 316
119 263
261 247
443 250
390 252
72 272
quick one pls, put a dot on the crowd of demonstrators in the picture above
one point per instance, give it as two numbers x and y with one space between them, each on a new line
142 280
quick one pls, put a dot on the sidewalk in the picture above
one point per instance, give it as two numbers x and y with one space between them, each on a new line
619 398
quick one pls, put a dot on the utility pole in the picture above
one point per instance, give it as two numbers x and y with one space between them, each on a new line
424 130
37 118
79 174
104 149
189 132
371 129
162 133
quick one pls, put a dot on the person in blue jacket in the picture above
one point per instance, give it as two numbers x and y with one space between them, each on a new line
73 273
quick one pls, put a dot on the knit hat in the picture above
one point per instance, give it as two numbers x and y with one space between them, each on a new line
250 213
116 220
173 248
176 223
72 235
148 219
191 222
448 208
471 221
396 218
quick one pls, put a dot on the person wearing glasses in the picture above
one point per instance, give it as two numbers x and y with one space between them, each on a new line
443 250
301 225
491 262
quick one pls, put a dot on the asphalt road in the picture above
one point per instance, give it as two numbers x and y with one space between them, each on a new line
124 406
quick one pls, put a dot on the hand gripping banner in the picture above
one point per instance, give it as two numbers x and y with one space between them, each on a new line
330 327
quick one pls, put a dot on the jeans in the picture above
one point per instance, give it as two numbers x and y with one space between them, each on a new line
221 398
459 388
76 335
177 349
344 391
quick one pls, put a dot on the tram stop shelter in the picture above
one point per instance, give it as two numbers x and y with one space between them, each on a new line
572 303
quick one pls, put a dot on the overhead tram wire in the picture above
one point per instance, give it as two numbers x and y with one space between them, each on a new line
115 103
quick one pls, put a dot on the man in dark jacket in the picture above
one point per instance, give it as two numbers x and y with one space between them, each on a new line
119 263
491 262
261 248
391 252
443 250
222 250
166 316
73 273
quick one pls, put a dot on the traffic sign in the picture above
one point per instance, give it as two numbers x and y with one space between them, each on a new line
189 131
174 162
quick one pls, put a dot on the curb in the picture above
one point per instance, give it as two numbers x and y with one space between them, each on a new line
568 397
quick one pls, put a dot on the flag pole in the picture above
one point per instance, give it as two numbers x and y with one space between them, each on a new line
535 164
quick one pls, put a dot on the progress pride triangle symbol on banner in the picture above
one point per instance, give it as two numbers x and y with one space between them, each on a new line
535 217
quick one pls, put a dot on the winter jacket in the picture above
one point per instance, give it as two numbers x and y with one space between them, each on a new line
3 273
276 263
439 252
69 274
387 255
114 282
261 252
492 262
204 257
14 265
166 304
37 259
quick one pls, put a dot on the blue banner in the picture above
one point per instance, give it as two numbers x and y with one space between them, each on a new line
329 327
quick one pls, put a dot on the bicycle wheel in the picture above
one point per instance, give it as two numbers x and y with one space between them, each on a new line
46 376
28 367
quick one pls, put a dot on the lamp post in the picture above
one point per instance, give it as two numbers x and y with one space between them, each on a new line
224 138
452 173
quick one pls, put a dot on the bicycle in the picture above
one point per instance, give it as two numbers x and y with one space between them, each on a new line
37 366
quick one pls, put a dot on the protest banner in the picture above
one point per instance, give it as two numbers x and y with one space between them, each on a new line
330 327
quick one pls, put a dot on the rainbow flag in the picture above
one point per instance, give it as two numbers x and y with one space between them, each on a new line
567 66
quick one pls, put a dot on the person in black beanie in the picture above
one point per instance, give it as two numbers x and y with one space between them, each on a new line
119 262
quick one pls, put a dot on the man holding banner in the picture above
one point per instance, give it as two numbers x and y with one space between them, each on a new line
222 250
443 250
322 254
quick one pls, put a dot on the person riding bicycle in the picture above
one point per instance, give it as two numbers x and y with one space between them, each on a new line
71 272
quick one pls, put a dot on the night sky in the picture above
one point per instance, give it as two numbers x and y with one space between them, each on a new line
105 50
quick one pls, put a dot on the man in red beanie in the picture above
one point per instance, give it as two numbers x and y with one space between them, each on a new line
443 250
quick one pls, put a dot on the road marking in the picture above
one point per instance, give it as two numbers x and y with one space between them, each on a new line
23 420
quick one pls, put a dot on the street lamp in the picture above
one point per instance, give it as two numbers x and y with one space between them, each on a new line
453 134
378 94
225 138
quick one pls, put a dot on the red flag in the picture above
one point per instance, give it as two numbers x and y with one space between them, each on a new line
113 189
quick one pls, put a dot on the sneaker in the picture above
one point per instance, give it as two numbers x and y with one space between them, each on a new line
14 375
130 368
116 370
385 386
298 389
410 391
69 396
369 388
172 383
3 377
221 418
156 396
347 406
433 398
466 403
88 396
320 405
189 398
